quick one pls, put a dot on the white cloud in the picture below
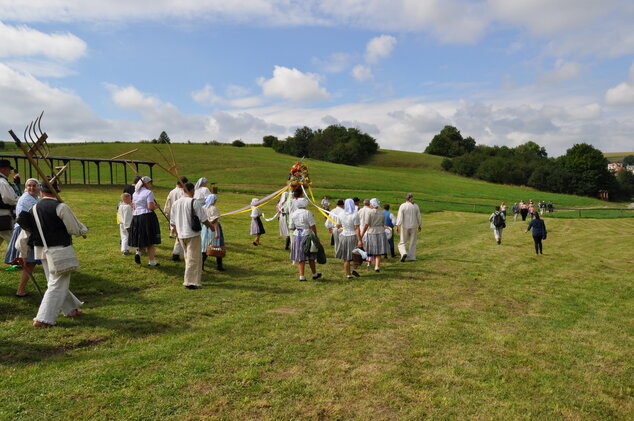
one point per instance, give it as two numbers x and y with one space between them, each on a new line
22 41
563 71
379 48
206 96
292 84
362 73
623 93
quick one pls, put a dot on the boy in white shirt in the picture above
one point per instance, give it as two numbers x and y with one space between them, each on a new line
124 218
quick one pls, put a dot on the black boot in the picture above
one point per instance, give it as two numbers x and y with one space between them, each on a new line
219 264
204 258
288 243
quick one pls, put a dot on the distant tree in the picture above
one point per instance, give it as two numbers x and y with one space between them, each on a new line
238 143
450 143
268 141
629 160
625 181
303 137
163 138
2 144
446 164
588 168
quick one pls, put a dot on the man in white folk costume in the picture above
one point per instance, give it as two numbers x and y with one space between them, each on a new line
409 222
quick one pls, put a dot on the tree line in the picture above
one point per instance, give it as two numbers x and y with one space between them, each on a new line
583 170
335 143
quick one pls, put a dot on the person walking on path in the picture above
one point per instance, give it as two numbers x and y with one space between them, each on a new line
349 237
539 232
257 228
58 224
145 232
188 233
523 210
175 194
498 223
28 199
374 230
408 222
302 223
8 200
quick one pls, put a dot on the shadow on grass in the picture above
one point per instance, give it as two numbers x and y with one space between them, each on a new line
18 352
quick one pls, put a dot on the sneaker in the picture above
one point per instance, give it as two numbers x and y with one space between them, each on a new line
316 275
137 259
355 273
302 278
348 276
403 257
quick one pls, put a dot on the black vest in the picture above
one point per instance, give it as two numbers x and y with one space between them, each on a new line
53 227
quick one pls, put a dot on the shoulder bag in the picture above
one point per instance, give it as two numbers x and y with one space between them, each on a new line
196 226
60 260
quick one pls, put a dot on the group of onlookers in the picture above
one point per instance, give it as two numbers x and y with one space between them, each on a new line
525 209
498 221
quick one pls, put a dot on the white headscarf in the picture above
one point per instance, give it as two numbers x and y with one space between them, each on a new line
349 206
141 183
255 212
301 203
374 202
200 182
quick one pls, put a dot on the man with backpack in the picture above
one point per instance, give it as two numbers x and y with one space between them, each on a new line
498 223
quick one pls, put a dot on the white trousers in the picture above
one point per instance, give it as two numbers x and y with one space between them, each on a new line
57 297
407 242
497 233
124 237
193 260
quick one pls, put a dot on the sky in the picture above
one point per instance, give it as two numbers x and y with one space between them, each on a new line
503 72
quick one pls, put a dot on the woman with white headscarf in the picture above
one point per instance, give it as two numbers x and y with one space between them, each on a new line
145 232
201 191
376 240
350 236
215 235
302 223
257 228
283 219
28 199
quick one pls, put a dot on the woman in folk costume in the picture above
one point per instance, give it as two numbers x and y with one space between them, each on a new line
257 228
201 191
145 232
25 203
376 240
302 223
350 236
283 219
214 236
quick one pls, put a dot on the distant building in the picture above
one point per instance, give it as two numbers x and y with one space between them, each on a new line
615 166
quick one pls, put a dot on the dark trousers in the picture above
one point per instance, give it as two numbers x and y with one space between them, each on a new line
524 213
538 244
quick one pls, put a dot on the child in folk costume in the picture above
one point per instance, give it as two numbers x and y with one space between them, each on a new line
124 218
257 228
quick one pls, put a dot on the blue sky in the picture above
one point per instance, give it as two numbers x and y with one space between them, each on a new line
503 72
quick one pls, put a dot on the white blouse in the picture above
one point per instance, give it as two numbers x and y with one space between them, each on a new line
301 219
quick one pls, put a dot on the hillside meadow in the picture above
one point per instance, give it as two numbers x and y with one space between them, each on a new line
469 330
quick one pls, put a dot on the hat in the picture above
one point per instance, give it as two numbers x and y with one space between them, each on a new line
5 163
45 189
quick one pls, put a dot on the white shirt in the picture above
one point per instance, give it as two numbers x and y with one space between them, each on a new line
140 200
301 219
124 215
181 217
72 224
334 214
409 216
363 212
348 221
9 197
172 197
201 194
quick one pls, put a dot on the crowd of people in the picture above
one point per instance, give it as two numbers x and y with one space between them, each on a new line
498 222
361 232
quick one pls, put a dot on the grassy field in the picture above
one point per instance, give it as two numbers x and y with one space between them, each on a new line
617 156
469 330
258 171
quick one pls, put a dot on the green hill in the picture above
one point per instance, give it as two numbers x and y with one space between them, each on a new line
260 170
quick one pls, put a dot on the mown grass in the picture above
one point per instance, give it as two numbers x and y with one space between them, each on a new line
469 330
259 170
